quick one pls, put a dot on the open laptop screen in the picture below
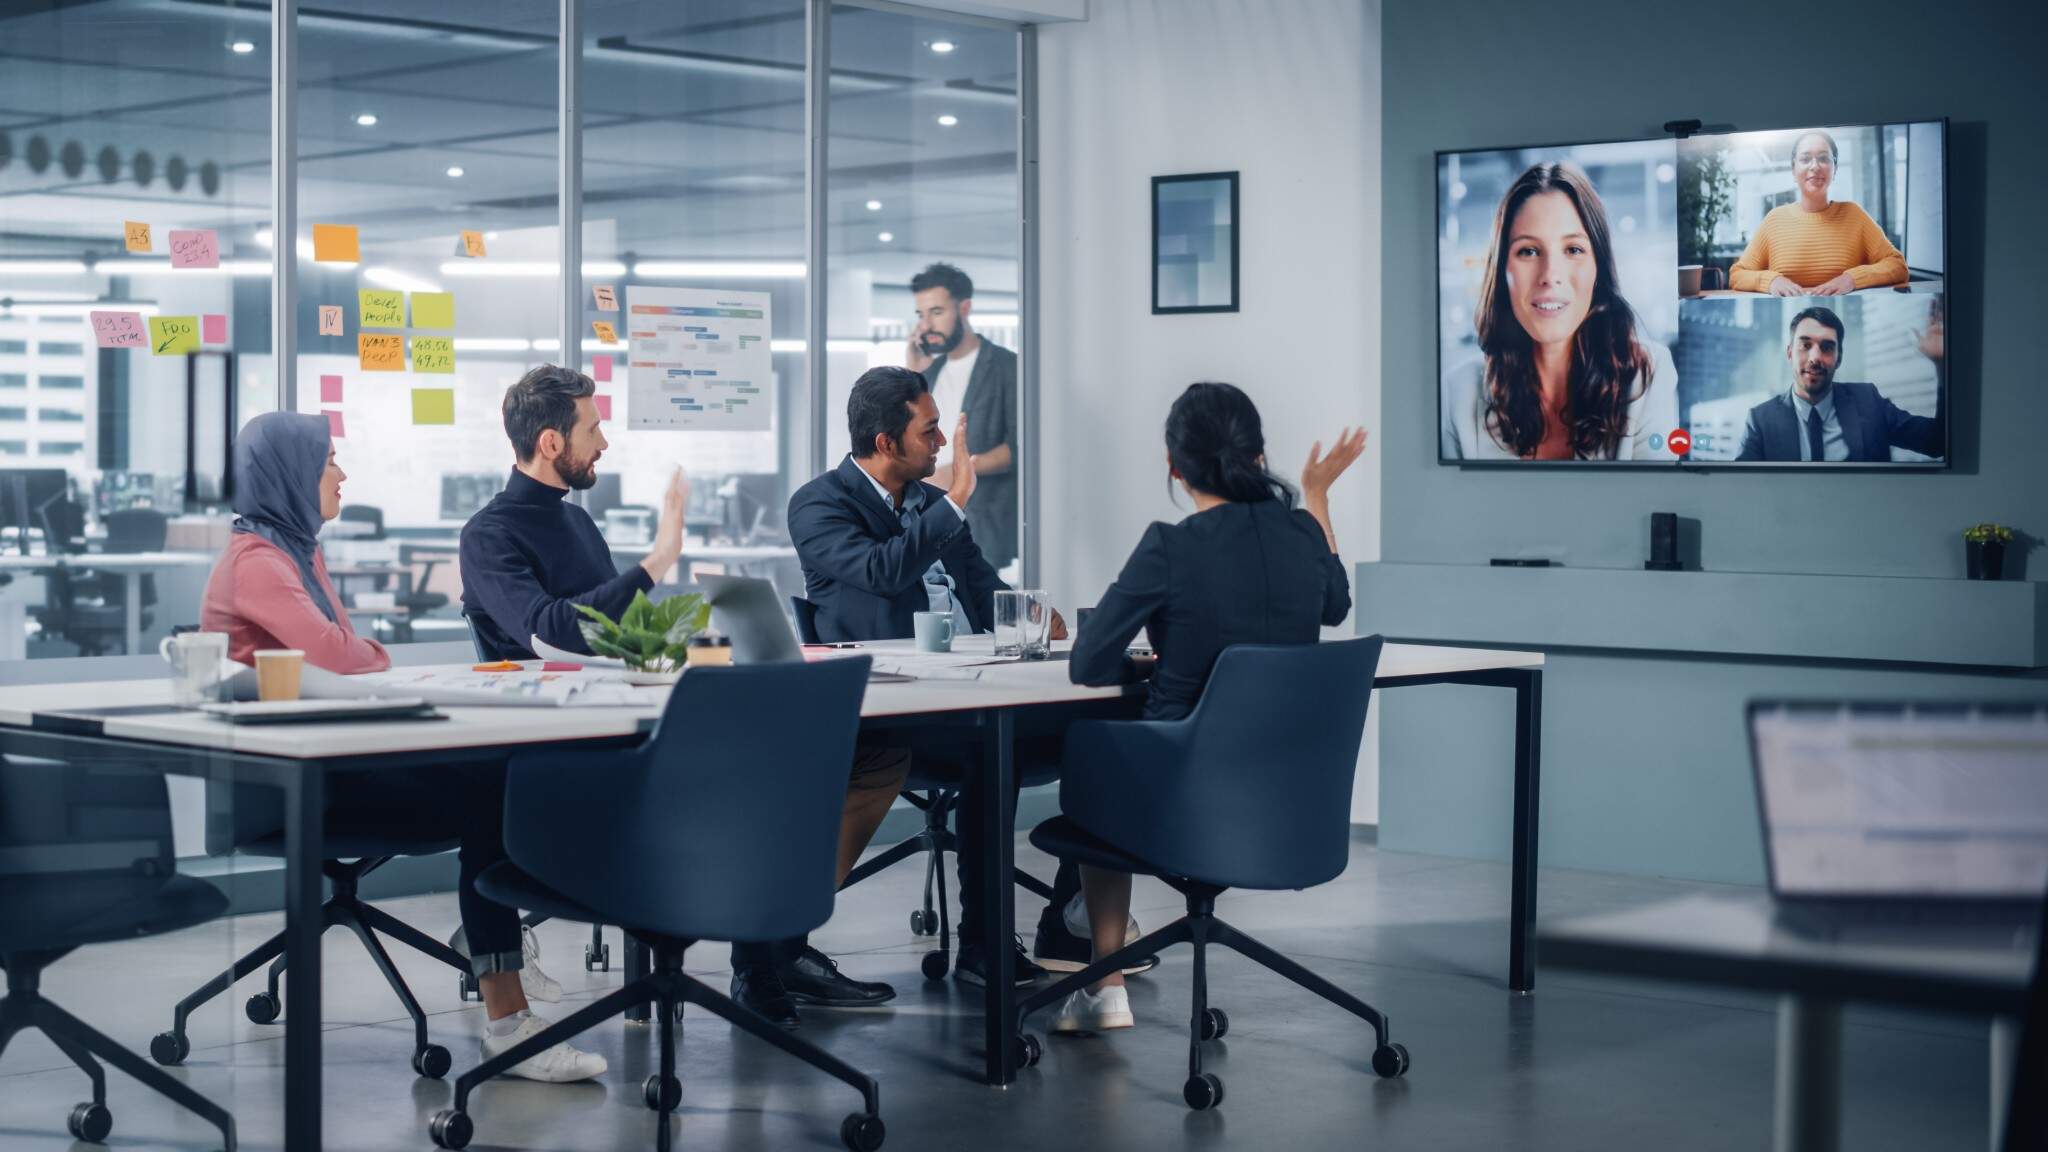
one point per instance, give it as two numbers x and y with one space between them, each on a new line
1891 800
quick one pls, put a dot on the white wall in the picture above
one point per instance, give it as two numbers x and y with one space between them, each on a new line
1286 92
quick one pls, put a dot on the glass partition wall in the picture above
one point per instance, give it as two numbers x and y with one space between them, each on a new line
799 166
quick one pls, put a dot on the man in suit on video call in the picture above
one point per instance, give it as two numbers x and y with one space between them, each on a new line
1821 418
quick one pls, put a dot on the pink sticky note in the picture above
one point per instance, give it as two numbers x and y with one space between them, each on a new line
330 390
334 427
601 368
604 406
119 330
330 319
195 248
213 329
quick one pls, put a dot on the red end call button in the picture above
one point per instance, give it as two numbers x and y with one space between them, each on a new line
1680 441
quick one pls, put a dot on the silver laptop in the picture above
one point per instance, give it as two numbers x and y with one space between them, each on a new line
1928 815
750 612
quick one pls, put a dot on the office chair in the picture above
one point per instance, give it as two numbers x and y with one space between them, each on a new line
2026 1111
88 859
933 789
63 522
137 530
1251 790
364 514
687 838
357 844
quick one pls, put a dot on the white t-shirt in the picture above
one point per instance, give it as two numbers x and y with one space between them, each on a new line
951 393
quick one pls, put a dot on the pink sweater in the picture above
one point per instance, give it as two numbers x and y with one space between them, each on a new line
256 597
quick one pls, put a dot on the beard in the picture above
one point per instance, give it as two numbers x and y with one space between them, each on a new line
579 475
944 343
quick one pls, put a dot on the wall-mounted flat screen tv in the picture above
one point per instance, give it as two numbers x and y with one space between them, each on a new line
1741 299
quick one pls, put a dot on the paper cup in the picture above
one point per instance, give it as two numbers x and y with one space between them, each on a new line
277 673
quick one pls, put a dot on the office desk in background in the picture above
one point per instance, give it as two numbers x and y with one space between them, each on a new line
127 565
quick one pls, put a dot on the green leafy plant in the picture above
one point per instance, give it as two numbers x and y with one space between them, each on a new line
1706 191
1986 533
649 637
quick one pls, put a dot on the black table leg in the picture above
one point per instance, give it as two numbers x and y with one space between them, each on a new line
1528 684
638 961
998 902
304 803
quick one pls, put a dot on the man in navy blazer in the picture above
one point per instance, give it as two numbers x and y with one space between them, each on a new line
1824 419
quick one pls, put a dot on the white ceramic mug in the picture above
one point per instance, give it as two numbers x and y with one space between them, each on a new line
195 659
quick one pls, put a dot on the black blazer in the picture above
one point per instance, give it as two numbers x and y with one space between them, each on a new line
1236 574
991 404
1871 425
864 570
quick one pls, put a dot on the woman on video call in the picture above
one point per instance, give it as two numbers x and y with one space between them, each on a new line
1563 374
1816 246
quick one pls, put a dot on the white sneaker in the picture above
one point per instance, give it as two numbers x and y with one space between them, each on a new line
560 1064
537 985
1087 1011
1076 916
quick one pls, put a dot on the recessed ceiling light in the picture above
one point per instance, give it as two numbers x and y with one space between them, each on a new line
885 237
874 205
455 172
942 46
948 120
242 47
366 119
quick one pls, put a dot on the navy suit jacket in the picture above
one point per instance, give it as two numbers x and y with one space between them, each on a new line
1870 423
864 568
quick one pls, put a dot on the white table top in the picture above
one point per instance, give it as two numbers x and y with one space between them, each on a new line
107 561
999 686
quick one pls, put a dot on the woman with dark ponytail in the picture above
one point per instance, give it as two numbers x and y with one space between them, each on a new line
1255 564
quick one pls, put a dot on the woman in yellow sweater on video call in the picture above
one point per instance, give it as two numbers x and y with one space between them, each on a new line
1816 246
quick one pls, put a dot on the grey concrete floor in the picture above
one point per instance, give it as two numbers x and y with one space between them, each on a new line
1584 1063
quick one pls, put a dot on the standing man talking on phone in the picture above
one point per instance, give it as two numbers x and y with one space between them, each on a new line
976 378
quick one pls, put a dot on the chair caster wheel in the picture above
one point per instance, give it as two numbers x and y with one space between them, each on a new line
262 1008
1027 1050
1215 1025
923 923
432 1062
1203 1091
451 1129
90 1122
1390 1060
934 965
662 1097
169 1048
597 959
862 1132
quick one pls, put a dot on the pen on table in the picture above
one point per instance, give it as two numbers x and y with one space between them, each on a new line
499 666
835 644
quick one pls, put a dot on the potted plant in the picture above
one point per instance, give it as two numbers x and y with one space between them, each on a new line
652 638
1984 551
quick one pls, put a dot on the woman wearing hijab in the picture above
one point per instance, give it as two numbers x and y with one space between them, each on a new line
270 590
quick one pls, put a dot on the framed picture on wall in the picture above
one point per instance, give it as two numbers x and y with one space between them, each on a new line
1194 243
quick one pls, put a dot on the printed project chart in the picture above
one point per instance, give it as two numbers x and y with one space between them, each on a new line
698 359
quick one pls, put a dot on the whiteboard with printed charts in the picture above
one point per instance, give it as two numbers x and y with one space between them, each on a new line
698 359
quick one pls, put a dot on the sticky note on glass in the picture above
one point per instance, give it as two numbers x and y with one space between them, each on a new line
138 236
213 328
330 389
433 405
335 429
470 244
195 248
377 352
433 354
173 335
330 319
433 310
380 308
336 244
607 300
119 330
604 406
601 368
605 331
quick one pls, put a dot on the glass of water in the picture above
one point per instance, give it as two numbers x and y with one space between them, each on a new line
1037 625
1012 610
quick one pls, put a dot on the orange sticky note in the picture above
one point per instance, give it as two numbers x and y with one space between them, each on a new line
605 332
379 352
330 319
336 244
604 406
213 328
607 300
138 237
330 389
472 245
334 425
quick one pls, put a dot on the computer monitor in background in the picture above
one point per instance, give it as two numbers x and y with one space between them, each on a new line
463 493
706 510
752 506
23 492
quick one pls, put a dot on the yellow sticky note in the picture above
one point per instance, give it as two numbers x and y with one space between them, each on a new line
336 243
173 335
378 352
433 309
605 332
471 245
433 354
138 237
433 405
381 308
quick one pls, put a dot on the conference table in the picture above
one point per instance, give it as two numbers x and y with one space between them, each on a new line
128 565
133 722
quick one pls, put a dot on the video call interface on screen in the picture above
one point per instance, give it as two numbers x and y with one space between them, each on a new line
1773 298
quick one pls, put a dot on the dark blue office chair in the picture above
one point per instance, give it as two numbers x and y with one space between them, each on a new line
86 857
724 825
2026 1110
1251 790
933 788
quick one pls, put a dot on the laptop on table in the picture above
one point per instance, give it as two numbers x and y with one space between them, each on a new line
750 612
